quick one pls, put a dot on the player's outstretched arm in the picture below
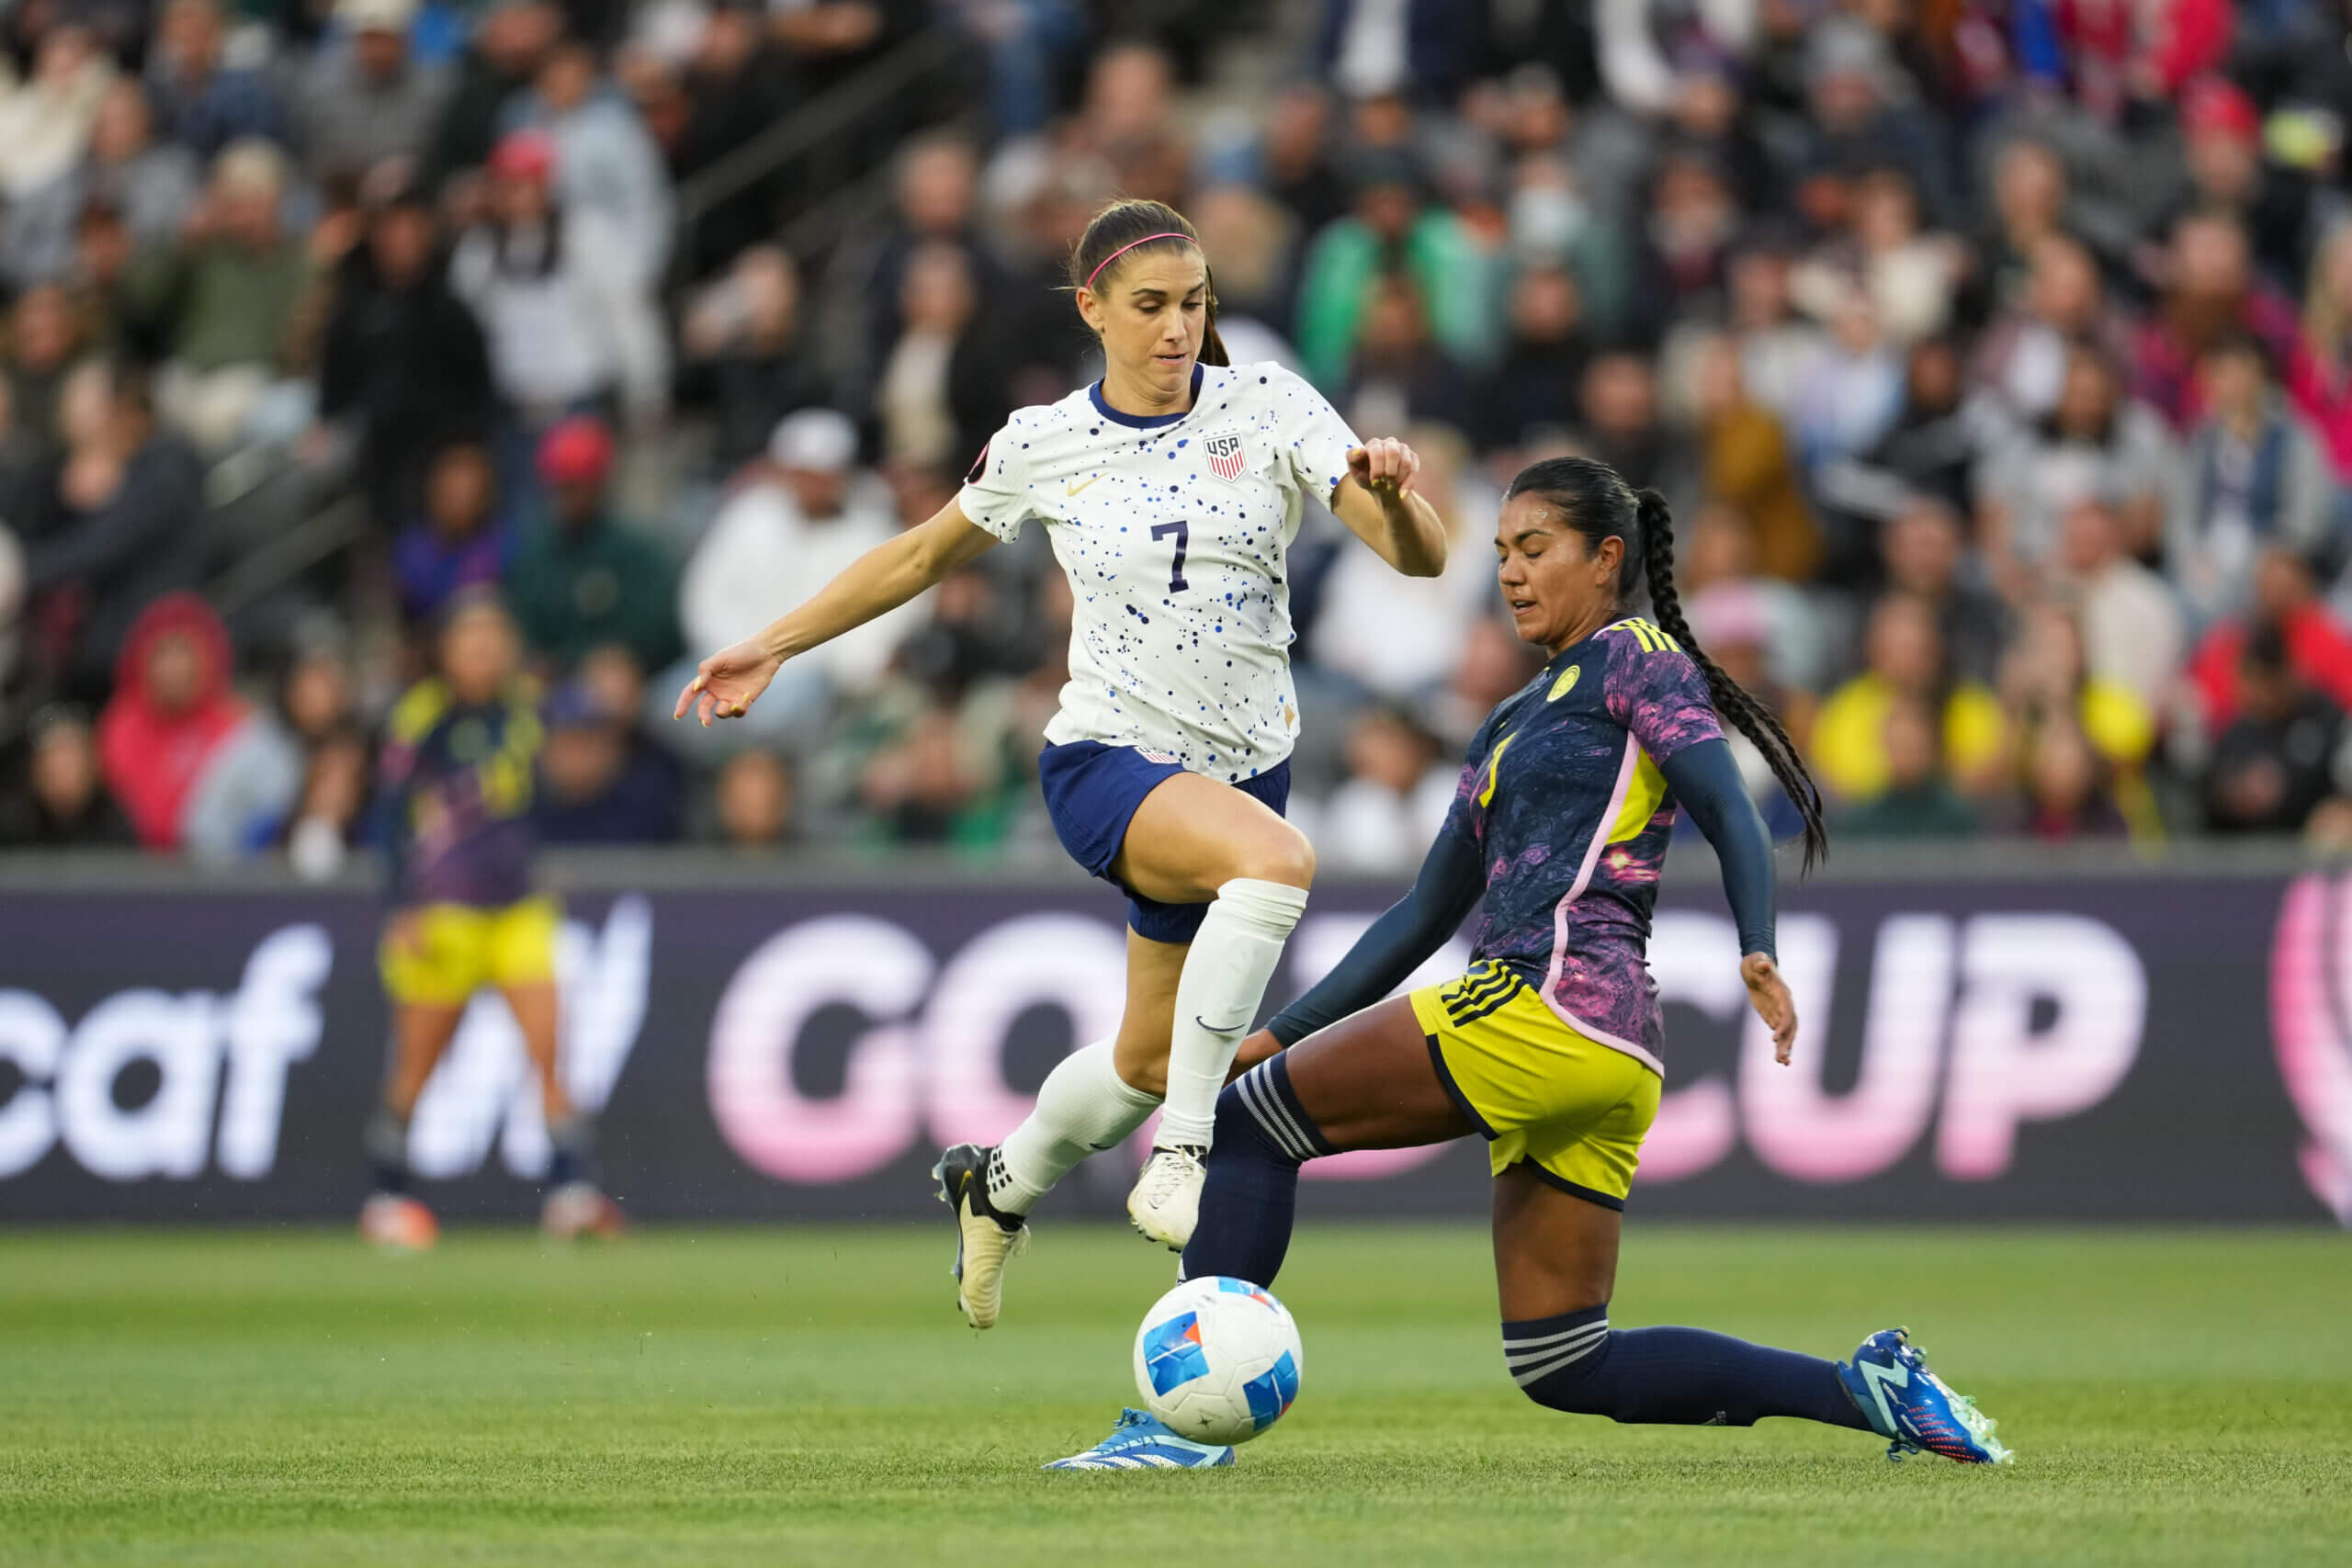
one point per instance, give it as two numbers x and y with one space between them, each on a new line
1705 779
1380 506
882 579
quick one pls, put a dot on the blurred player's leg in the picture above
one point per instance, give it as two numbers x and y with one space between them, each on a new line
519 956
393 1217
575 1205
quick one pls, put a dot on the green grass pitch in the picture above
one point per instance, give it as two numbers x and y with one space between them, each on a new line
809 1396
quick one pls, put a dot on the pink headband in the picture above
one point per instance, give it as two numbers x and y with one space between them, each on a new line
1130 246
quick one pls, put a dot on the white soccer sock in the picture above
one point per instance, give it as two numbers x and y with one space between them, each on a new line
1082 1106
1224 980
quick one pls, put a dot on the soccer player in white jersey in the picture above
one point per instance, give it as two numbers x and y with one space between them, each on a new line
1170 490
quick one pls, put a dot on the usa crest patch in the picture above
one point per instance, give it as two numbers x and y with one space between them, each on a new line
1225 456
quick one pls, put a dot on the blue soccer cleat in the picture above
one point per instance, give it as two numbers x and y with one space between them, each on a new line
1913 1409
1140 1442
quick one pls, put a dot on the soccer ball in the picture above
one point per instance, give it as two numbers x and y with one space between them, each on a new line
1218 1360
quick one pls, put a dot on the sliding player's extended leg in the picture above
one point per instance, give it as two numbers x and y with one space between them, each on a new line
576 1204
1555 1267
393 1217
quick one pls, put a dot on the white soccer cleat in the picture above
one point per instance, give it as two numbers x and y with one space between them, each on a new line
1166 1204
577 1209
985 1235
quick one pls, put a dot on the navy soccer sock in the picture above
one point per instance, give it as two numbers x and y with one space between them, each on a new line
573 1156
1676 1377
1263 1135
387 1144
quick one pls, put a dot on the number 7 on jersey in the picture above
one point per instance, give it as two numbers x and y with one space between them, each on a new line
1183 531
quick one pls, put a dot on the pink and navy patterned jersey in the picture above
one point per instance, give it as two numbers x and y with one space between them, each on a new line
457 783
1562 797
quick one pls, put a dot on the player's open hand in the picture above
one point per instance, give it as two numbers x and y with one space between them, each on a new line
1769 994
728 682
1387 466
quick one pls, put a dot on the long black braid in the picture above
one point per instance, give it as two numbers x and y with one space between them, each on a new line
1595 500
1734 702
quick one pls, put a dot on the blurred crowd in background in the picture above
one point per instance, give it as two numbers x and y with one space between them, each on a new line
1994 354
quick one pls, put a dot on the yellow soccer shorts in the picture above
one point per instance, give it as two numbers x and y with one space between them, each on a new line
455 950
1538 1090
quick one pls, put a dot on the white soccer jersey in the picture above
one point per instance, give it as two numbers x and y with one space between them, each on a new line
1174 532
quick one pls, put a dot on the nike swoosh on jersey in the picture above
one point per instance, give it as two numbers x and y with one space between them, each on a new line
1074 489
1234 1028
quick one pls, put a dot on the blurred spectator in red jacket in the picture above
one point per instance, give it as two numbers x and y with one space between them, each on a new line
184 754
2114 53
2287 601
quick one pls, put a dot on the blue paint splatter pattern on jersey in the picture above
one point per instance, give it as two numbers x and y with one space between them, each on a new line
1562 796
1179 573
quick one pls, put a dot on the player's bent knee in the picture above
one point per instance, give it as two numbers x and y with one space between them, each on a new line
1284 857
1558 1362
1261 1111
1237 1125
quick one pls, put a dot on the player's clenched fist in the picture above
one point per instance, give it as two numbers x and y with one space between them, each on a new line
1386 465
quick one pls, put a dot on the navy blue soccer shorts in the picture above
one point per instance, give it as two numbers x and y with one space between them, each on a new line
1092 792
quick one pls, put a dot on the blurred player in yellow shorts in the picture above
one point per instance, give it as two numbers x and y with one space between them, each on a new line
456 780
440 954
